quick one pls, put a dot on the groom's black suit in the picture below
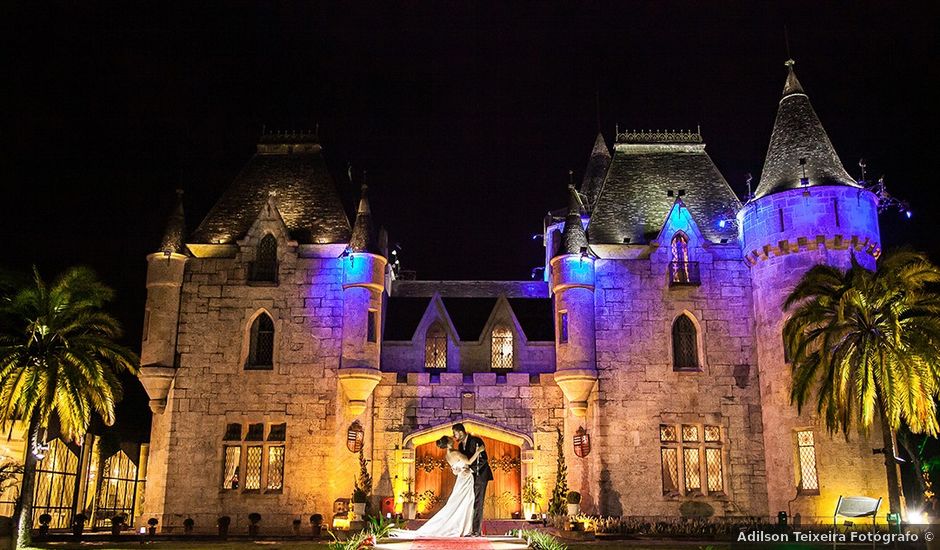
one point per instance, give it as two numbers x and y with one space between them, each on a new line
482 474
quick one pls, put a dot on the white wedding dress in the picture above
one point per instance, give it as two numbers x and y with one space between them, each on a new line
455 518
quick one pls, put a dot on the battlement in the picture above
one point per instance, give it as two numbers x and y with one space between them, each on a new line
805 244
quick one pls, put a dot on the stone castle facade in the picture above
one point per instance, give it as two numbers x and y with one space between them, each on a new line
278 337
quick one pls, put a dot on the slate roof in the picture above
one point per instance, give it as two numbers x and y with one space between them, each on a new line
402 316
175 233
798 134
304 193
363 237
573 238
635 200
469 316
595 171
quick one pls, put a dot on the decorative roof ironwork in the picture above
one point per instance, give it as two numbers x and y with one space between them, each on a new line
659 136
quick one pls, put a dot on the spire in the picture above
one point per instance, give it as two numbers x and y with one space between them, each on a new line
363 235
596 170
573 238
792 85
175 232
800 153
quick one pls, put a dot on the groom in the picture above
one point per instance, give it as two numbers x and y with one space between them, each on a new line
482 474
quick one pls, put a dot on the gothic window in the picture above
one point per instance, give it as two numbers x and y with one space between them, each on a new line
562 327
435 348
684 344
261 345
56 477
255 463
501 348
682 271
117 490
806 449
264 268
691 464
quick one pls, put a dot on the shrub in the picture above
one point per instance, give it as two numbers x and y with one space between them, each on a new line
45 519
696 509
538 540
574 497
117 520
254 518
316 519
224 521
152 522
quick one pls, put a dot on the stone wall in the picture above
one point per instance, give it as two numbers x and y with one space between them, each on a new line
638 389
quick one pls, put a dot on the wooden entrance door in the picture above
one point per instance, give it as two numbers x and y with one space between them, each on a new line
434 481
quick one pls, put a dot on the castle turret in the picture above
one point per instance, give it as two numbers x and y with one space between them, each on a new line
807 210
572 278
164 281
363 285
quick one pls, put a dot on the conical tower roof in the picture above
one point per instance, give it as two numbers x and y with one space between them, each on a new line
291 165
573 237
596 170
799 146
174 236
363 234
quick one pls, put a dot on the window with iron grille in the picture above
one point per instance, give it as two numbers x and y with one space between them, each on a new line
806 448
695 460
684 344
562 327
255 463
261 345
264 269
501 348
435 348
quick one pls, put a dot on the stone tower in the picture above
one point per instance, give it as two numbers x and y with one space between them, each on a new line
807 210
572 277
363 288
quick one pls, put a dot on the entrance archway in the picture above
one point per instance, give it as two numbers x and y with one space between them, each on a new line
434 480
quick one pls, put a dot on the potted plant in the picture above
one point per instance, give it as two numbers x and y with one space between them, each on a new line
223 523
359 499
295 525
117 523
152 522
188 524
316 524
78 525
574 503
530 498
254 519
44 521
409 505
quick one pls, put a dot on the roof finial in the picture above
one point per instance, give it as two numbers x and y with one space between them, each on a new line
570 178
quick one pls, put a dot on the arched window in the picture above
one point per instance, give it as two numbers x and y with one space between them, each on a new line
435 348
682 271
265 266
684 344
261 346
502 348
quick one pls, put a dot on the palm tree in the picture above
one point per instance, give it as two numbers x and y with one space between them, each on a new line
866 342
58 359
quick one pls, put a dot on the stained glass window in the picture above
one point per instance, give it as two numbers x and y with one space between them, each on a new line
809 481
253 468
275 468
684 344
689 432
277 432
435 348
712 433
502 348
233 432
232 458
670 471
713 470
255 432
667 432
693 473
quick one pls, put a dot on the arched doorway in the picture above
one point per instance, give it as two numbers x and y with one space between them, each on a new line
433 480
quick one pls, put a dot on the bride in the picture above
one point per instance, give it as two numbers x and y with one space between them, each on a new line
454 519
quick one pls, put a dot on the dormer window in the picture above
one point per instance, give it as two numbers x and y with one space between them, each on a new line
501 348
264 268
682 271
435 348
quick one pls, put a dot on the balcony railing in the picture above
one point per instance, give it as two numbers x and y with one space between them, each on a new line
684 274
262 272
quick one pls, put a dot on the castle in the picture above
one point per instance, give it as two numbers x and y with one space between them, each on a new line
278 341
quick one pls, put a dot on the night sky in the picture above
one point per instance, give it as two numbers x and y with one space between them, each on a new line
466 116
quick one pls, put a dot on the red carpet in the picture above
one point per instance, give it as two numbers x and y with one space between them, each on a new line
465 543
